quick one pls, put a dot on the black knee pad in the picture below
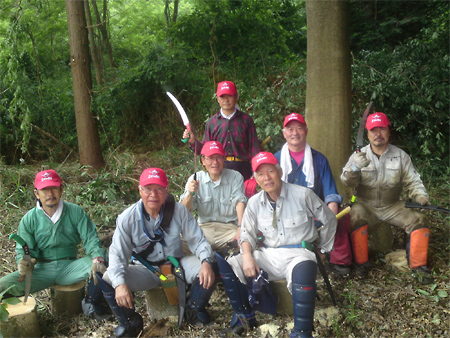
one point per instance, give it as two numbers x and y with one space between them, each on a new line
304 273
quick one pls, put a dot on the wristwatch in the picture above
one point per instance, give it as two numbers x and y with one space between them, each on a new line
208 260
323 251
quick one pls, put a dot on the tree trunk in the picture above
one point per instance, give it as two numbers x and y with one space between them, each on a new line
87 131
328 92
102 26
94 50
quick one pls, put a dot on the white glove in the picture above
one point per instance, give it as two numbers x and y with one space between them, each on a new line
97 266
26 266
358 161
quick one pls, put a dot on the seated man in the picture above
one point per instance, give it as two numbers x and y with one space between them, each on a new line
284 213
218 195
151 228
380 172
53 230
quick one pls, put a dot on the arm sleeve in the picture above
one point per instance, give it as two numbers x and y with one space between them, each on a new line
411 181
324 215
249 228
88 233
253 140
330 192
238 190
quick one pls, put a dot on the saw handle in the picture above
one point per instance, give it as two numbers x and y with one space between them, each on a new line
188 127
18 239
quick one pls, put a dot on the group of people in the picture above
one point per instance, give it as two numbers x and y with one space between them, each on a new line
280 231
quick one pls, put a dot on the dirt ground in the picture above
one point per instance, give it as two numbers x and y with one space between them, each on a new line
388 303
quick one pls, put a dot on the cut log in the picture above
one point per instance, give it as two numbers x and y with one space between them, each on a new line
381 237
66 299
284 297
22 320
158 306
398 260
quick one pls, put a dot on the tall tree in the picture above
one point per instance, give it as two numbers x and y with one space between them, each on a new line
328 90
87 131
98 66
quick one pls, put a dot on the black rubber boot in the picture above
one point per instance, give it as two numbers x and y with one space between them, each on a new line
303 298
92 304
130 322
196 313
243 316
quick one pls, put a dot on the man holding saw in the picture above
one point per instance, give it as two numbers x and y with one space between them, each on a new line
47 246
231 127
380 172
149 230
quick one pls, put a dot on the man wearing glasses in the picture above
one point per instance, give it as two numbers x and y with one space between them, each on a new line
218 195
141 229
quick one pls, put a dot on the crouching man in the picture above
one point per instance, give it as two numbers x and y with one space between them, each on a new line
144 230
284 213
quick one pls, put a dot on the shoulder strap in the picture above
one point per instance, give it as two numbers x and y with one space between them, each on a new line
169 207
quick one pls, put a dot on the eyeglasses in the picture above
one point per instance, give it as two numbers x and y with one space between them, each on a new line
298 129
210 160
147 190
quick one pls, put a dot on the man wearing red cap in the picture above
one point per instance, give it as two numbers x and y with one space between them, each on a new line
305 166
380 173
53 230
218 195
284 213
234 129
151 229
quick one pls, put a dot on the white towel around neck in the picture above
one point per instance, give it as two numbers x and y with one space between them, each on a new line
308 167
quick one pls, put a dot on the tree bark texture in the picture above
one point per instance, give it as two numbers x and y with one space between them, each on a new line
87 131
328 92
94 50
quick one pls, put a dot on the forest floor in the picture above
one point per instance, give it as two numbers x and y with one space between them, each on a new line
388 303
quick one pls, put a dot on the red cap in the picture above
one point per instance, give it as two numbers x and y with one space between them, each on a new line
47 178
294 117
213 148
377 120
262 158
226 87
153 176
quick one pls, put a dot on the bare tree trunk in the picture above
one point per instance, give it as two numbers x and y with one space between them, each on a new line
328 92
102 26
93 45
87 131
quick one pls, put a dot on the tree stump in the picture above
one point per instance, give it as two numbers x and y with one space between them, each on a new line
66 299
22 320
158 306
381 237
284 297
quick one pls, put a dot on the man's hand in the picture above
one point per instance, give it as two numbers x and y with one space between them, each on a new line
422 200
249 265
124 297
193 186
237 237
358 161
189 135
26 266
97 266
206 275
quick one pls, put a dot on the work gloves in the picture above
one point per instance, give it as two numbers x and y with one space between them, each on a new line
97 266
422 200
358 161
26 266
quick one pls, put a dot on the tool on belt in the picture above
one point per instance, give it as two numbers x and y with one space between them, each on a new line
27 258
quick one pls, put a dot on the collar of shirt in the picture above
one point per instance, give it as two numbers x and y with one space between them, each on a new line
57 215
227 117
264 198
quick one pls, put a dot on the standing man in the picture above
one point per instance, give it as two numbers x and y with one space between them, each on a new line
142 229
53 230
231 127
218 195
284 213
380 172
308 168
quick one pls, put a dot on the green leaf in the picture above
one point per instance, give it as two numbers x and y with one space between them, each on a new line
423 292
3 313
442 293
12 301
